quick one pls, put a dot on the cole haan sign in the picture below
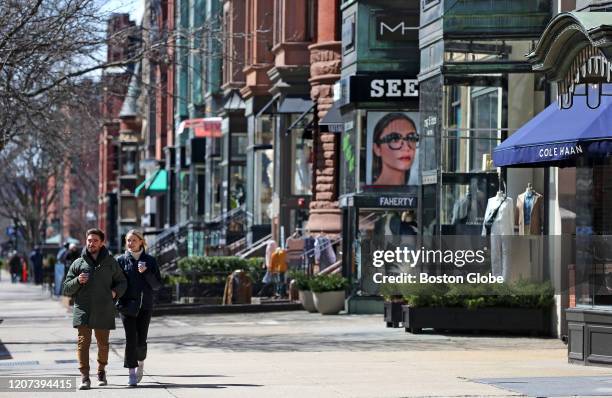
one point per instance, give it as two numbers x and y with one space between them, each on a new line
560 151
383 88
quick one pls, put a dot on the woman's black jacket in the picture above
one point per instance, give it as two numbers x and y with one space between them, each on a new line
145 283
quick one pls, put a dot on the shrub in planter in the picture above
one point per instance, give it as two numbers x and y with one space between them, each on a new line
520 306
328 292
197 267
394 301
302 282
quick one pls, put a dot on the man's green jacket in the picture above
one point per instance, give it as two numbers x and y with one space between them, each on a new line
94 306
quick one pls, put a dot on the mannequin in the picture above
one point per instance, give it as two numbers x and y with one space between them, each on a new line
501 210
461 209
529 212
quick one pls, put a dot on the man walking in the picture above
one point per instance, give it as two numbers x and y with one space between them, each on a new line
94 280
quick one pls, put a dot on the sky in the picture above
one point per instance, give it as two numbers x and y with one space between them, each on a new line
134 7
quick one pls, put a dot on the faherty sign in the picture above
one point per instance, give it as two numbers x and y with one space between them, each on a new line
383 88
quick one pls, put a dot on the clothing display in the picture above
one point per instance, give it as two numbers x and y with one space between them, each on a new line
461 209
271 246
278 261
503 221
295 251
501 210
324 252
529 215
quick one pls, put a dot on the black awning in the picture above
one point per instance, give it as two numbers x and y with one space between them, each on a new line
268 108
301 122
332 122
295 105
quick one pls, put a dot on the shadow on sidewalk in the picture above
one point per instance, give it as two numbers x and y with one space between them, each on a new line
149 375
185 385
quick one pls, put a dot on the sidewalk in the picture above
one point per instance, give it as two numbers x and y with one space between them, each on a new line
288 354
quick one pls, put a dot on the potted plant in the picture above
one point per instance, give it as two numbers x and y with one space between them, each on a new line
522 306
328 293
302 282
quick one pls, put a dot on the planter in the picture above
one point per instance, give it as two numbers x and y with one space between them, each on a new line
329 303
307 300
394 316
533 321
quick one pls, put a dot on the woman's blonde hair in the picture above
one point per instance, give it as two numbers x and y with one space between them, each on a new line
137 234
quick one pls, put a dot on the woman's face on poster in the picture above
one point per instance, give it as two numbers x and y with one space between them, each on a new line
396 145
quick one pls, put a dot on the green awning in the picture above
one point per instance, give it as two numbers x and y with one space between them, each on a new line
157 184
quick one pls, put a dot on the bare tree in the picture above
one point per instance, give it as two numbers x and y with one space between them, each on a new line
46 46
33 165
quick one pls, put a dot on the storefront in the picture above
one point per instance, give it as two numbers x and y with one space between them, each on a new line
380 149
476 88
574 135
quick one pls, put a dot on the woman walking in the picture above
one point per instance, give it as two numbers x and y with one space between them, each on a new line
136 305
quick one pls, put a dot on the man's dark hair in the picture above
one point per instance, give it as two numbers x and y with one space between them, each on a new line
95 231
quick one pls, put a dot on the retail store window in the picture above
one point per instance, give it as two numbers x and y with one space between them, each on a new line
459 51
485 124
384 230
216 184
237 189
263 187
464 202
302 155
593 271
239 146
264 132
473 128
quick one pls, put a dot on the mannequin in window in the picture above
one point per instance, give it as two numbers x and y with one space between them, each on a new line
461 209
529 212
498 222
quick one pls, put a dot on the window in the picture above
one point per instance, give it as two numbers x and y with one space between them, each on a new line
263 187
239 146
278 21
237 191
426 4
264 134
485 124
128 165
473 127
216 183
311 20
302 165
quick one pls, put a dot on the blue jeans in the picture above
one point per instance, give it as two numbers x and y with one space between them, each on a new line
279 281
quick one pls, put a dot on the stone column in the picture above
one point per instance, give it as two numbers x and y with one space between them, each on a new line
326 62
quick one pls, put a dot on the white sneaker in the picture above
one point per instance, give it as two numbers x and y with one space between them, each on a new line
133 378
140 370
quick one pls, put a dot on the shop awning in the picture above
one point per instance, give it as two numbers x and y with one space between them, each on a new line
268 108
295 105
302 122
557 137
157 184
332 121
203 127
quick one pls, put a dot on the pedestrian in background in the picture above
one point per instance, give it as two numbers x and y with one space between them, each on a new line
36 259
136 306
15 266
94 280
72 254
60 269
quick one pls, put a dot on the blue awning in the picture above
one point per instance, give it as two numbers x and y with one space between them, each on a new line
557 137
